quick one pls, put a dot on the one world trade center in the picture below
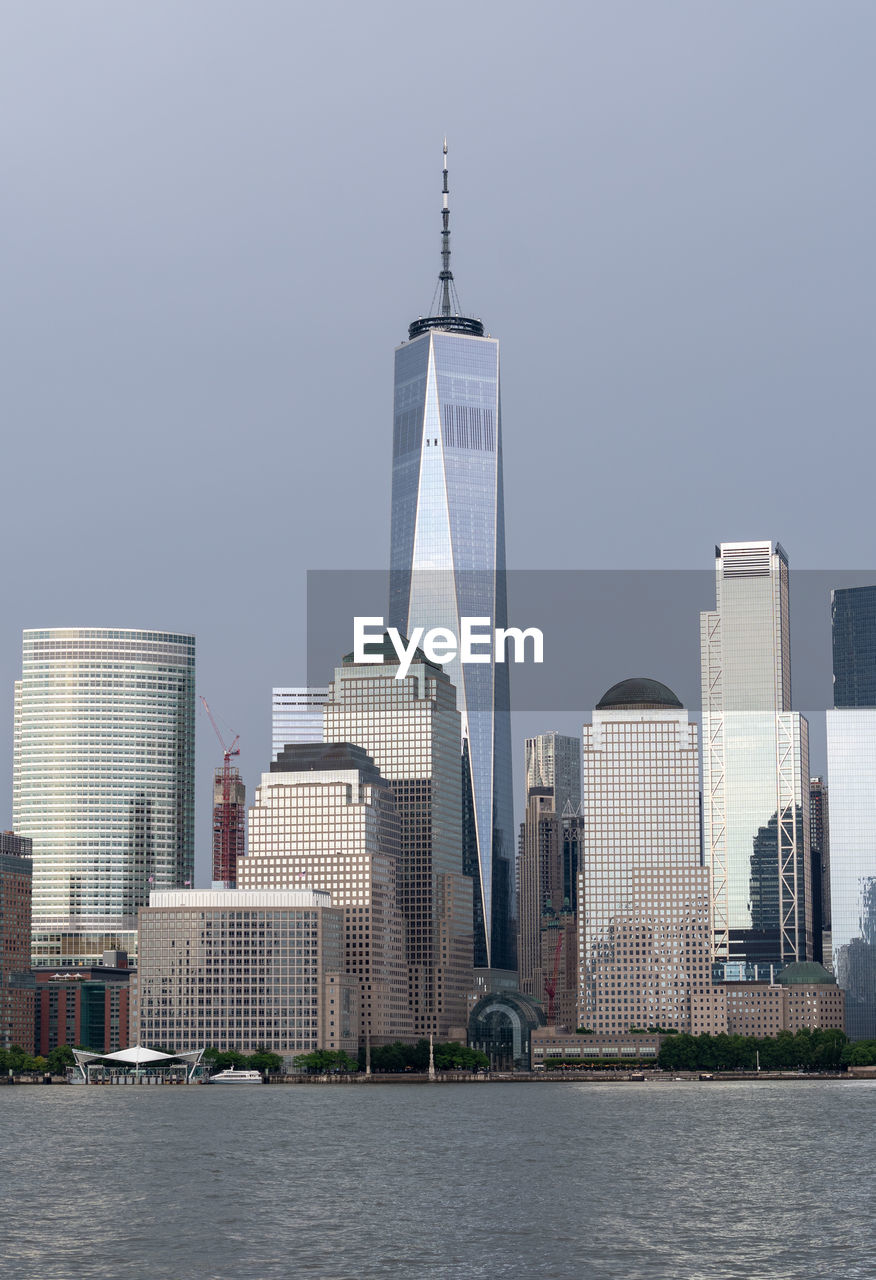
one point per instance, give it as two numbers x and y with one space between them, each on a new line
447 562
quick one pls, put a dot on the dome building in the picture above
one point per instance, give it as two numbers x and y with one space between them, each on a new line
643 895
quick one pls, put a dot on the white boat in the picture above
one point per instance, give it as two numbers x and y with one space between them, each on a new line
230 1076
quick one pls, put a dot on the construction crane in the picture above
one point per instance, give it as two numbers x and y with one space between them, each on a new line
551 987
226 824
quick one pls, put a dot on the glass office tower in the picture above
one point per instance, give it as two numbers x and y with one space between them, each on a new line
755 767
853 629
851 765
103 782
296 716
447 561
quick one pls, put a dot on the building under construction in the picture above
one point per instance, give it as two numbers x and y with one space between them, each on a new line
229 825
229 813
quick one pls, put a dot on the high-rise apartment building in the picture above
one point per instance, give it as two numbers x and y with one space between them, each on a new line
755 767
447 562
296 716
851 772
243 970
410 728
16 979
103 781
644 919
553 760
324 818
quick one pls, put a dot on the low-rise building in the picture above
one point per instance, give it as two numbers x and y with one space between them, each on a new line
84 1006
16 980
605 1048
244 969
805 994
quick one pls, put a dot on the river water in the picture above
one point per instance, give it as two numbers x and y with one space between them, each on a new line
693 1181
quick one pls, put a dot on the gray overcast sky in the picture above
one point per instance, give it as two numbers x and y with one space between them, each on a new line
219 218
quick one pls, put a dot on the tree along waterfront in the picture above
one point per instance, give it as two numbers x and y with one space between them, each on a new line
807 1050
397 1057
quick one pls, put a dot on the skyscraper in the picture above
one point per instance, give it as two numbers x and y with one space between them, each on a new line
103 781
325 819
547 885
296 716
229 825
447 561
410 729
755 767
851 772
853 634
819 837
554 761
547 874
644 918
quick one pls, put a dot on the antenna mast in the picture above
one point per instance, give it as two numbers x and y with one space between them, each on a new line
446 275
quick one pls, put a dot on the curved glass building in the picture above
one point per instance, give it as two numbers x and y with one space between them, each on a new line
103 781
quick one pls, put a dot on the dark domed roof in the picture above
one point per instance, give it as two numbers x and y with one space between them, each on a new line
806 972
638 693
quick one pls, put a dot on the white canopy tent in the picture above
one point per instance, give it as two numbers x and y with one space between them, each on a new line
137 1056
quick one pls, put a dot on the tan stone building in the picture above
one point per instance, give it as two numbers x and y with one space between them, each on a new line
804 995
324 818
644 917
411 729
241 969
608 1048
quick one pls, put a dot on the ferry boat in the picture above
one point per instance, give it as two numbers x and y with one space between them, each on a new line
230 1076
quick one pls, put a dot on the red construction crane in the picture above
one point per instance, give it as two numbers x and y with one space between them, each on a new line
551 987
226 823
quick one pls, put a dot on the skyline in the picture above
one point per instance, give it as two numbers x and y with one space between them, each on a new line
150 328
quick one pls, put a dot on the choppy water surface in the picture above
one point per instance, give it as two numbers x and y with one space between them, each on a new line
692 1181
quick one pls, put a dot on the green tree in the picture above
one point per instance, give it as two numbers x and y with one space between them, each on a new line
59 1059
264 1060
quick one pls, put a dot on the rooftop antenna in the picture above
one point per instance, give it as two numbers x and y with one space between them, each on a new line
447 314
446 276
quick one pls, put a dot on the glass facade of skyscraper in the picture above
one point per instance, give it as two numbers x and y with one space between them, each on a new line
755 766
851 771
851 764
103 781
296 716
853 618
448 562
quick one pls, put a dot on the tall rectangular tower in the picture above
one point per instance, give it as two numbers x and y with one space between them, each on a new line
755 766
410 728
643 896
324 818
103 781
447 561
851 771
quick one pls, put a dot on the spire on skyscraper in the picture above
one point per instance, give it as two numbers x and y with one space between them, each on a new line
446 276
448 315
